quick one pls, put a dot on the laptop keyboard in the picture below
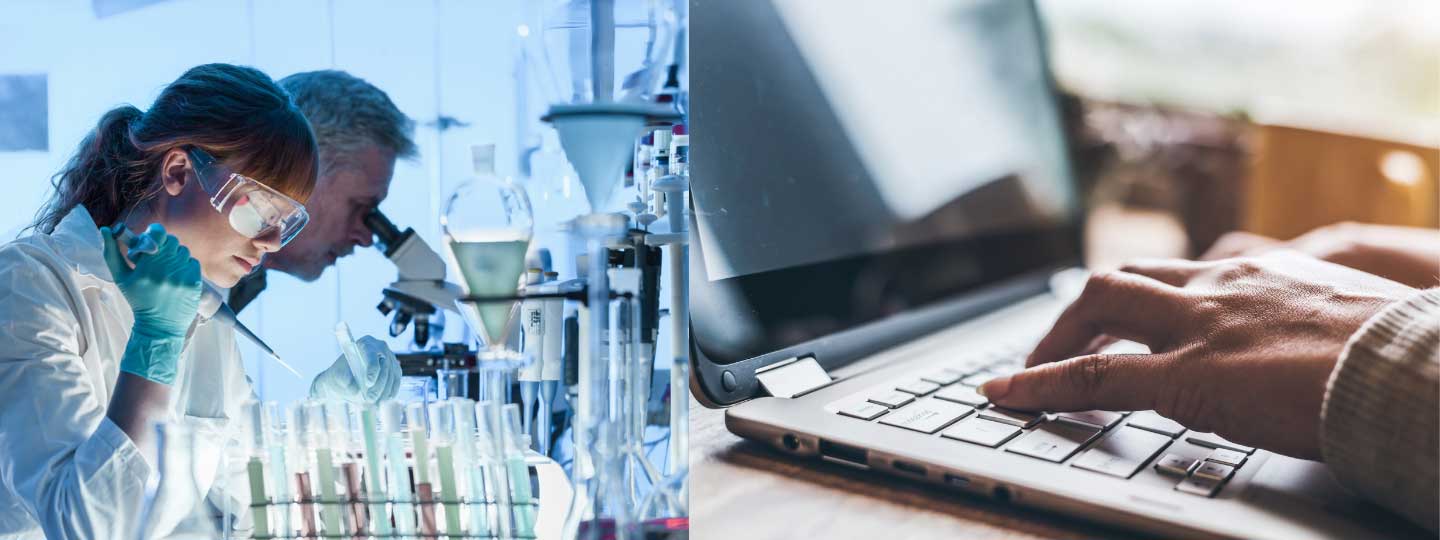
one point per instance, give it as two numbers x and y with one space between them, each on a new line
944 403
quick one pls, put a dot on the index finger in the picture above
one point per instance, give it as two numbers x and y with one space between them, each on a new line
1118 304
1110 382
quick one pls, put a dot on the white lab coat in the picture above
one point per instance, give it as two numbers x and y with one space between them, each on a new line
66 471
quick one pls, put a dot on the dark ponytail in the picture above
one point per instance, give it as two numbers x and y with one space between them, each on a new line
237 114
103 175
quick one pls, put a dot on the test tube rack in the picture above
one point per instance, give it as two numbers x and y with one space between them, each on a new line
429 514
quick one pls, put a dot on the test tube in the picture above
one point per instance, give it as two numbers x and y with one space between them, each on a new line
317 435
373 472
415 417
255 467
511 432
279 477
467 465
493 446
299 454
344 424
391 415
442 436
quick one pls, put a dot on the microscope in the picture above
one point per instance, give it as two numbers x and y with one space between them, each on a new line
420 293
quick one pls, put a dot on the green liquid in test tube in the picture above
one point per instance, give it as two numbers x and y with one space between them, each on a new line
391 415
260 503
519 471
318 440
373 472
441 435
467 466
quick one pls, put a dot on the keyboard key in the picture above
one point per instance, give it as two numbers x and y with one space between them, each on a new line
1011 416
1123 452
1216 471
968 365
1174 465
1099 419
943 376
977 379
927 415
1211 440
962 394
893 400
1052 441
1228 457
1006 367
918 387
1149 420
1203 486
864 410
981 431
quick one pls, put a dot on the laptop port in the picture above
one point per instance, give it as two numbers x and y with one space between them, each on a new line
1001 494
907 467
843 454
790 441
955 480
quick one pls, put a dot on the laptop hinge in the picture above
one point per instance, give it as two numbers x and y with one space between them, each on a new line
793 377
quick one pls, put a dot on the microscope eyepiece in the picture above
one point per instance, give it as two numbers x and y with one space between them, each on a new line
381 225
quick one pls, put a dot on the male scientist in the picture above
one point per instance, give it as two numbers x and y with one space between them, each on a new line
360 133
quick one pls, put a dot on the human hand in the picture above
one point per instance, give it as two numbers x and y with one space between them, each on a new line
1240 347
382 375
1409 255
163 290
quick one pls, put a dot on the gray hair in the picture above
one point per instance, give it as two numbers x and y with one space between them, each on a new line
348 113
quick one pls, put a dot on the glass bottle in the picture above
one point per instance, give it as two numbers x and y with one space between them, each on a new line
174 506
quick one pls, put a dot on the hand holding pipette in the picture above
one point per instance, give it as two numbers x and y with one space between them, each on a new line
366 371
212 304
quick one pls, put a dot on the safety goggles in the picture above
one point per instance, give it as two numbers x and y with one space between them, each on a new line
254 210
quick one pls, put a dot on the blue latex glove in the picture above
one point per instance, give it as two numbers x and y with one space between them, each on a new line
163 289
382 375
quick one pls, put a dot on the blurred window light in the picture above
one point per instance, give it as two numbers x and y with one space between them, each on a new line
1350 66
1402 167
24 113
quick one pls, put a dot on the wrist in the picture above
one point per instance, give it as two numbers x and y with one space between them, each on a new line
152 356
151 332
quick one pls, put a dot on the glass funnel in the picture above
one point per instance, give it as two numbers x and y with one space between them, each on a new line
488 225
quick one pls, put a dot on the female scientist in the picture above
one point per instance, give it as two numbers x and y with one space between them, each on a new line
99 335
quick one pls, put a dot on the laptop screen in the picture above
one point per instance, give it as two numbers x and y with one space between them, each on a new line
855 159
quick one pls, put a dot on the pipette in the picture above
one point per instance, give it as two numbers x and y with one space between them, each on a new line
212 303
351 352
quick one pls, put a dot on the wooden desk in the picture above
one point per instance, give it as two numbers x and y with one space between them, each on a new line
740 490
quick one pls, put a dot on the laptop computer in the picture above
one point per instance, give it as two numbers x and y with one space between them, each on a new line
885 218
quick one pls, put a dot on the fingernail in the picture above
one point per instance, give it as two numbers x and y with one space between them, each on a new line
995 389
